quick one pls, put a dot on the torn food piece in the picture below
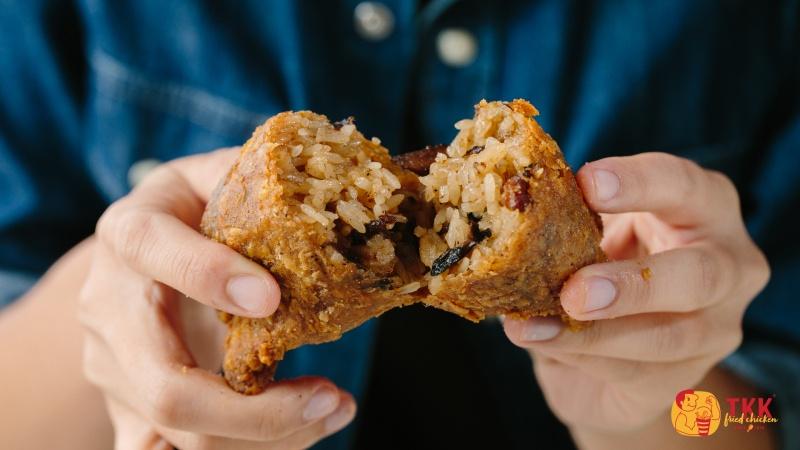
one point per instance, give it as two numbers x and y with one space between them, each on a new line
516 223
492 224
319 205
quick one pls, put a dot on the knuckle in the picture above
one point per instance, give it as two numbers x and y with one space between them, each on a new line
704 326
280 421
86 318
660 159
720 329
556 394
106 221
591 337
626 371
626 415
562 404
165 407
204 442
668 335
90 364
306 439
763 273
732 340
199 267
724 329
632 371
730 194
565 413
109 221
715 333
131 233
269 426
89 309
759 271
707 270
85 294
689 173
85 300
186 270
636 294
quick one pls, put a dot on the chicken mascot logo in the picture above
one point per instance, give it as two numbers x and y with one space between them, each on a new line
695 413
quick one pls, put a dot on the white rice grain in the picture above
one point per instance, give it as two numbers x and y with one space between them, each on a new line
409 288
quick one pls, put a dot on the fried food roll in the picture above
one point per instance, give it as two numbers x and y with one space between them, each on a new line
318 205
510 225
492 224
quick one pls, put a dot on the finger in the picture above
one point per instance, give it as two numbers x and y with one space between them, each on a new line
566 389
204 171
101 368
680 280
614 407
194 400
301 439
145 234
174 394
131 432
201 402
629 373
567 381
619 237
662 337
675 189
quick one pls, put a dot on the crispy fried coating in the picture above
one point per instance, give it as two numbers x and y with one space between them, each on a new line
553 234
321 296
329 287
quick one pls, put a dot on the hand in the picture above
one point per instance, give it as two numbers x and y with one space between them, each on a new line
667 307
136 349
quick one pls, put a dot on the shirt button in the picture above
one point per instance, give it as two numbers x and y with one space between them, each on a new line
457 47
374 21
140 169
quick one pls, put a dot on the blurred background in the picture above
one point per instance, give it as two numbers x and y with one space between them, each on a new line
94 94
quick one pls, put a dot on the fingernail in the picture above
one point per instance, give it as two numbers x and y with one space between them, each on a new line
606 184
600 292
322 403
541 329
340 418
249 293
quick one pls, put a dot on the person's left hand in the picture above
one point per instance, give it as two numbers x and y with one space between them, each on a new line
147 309
666 309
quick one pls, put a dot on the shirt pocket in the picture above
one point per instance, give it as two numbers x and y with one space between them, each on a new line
132 117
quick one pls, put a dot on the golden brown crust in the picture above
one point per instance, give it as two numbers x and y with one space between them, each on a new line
556 235
323 298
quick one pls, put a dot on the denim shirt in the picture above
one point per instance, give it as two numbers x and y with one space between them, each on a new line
88 88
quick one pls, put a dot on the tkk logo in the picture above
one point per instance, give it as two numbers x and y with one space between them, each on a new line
749 413
695 413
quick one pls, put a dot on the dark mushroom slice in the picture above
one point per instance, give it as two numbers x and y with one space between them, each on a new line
420 160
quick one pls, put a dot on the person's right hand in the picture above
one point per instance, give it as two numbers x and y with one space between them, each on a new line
148 253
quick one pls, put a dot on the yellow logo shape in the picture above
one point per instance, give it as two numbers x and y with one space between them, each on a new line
695 413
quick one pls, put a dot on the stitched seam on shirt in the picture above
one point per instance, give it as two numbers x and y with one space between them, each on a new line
196 105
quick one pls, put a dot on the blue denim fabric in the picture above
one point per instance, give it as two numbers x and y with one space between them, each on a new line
90 87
